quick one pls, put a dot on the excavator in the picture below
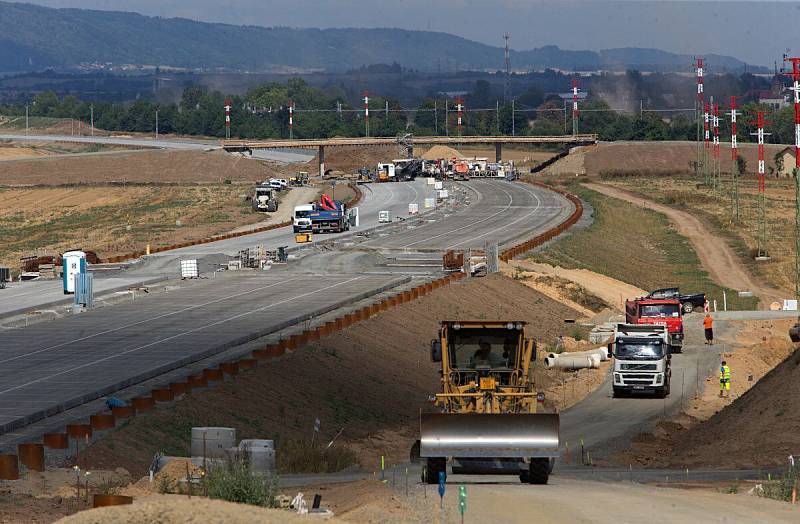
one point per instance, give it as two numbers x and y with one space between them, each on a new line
486 421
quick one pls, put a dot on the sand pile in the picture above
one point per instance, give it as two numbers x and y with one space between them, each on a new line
437 152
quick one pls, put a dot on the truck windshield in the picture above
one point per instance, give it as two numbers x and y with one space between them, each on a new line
483 349
659 310
651 350
301 214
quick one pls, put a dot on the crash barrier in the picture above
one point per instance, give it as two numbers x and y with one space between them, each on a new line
508 254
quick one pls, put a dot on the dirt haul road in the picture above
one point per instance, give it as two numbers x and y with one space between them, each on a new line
716 256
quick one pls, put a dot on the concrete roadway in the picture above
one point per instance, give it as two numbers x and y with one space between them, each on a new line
60 364
500 211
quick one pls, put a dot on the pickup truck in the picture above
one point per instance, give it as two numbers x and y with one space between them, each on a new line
688 302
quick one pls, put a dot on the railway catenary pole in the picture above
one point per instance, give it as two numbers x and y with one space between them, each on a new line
366 112
699 100
716 150
734 112
575 106
795 74
291 119
228 104
762 197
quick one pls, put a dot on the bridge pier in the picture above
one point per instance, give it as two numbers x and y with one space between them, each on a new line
321 156
498 152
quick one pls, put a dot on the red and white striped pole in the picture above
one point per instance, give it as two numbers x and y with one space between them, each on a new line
699 69
796 90
228 105
575 112
762 170
716 148
706 125
734 164
698 108
366 112
460 109
291 119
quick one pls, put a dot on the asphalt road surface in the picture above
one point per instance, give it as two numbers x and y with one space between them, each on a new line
499 211
50 367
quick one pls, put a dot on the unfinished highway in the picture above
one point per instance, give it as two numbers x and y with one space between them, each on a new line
54 366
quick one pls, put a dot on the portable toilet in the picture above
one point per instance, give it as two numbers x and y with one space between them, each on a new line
74 263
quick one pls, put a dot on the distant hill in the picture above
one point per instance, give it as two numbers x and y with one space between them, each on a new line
34 38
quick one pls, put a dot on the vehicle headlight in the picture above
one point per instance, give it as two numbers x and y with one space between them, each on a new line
659 378
456 326
617 378
510 325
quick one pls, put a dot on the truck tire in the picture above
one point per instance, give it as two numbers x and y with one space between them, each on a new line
688 307
413 455
539 471
430 473
272 206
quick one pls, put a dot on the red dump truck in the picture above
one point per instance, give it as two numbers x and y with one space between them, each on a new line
659 312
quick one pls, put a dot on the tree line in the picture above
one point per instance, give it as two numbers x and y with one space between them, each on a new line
263 113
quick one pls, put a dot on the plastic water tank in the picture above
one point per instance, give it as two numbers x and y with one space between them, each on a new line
260 455
217 440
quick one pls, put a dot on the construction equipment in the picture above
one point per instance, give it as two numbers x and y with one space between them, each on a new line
264 198
487 421
299 180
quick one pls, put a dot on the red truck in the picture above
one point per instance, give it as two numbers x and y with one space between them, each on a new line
661 312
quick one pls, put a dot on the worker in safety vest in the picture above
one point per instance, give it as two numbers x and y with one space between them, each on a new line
708 326
724 379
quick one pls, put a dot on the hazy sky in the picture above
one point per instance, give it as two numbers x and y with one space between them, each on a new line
756 31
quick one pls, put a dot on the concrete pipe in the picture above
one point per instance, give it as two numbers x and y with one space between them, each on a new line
601 352
585 362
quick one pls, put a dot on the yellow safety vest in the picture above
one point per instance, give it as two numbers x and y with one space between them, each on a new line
724 374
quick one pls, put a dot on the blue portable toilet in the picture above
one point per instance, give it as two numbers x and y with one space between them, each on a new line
74 262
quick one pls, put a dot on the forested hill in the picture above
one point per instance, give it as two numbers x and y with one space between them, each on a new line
34 38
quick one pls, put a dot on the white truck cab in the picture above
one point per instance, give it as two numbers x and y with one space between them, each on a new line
301 223
641 360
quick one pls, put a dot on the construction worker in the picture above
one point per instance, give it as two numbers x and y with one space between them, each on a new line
708 325
724 379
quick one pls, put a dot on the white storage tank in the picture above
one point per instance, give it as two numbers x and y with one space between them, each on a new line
217 441
413 209
260 455
74 263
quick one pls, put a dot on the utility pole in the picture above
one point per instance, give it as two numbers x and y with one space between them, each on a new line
26 119
228 105
436 117
575 106
156 123
507 56
446 117
699 70
762 197
460 120
513 122
716 151
291 119
366 112
497 115
91 113
735 164
796 90
706 140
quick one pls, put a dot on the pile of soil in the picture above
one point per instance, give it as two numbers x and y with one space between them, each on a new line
195 510
372 377
349 159
439 152
157 166
662 157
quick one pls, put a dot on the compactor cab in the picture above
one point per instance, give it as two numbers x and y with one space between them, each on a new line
486 422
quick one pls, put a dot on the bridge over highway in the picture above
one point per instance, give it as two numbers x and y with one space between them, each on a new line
409 141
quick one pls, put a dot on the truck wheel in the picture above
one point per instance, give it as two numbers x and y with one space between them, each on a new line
688 307
430 473
539 471
414 454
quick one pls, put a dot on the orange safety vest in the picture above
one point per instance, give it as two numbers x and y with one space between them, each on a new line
708 322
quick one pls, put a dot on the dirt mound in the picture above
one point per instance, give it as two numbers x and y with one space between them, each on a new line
662 157
370 377
349 159
136 166
175 509
437 152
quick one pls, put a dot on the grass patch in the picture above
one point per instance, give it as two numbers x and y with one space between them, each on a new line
233 481
780 488
638 246
575 292
299 456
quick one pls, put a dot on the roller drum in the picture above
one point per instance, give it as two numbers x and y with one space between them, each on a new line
489 435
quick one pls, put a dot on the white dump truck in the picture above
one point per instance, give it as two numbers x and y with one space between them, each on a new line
642 360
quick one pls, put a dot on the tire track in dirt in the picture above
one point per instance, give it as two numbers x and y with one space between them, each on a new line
715 255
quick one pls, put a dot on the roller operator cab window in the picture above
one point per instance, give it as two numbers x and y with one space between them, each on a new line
659 310
483 350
